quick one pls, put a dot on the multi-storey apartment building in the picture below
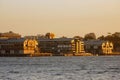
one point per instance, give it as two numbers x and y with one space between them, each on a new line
60 45
18 46
99 47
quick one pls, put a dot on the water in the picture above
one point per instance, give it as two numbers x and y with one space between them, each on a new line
60 68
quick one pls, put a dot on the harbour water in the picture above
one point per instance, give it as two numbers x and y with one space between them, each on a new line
60 68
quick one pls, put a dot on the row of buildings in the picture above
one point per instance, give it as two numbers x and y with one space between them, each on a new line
55 46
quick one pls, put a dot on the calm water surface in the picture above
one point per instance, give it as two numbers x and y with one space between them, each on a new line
60 68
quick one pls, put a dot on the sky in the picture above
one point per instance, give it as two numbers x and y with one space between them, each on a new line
62 17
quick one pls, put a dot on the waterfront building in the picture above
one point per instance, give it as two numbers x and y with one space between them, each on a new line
60 45
99 47
18 46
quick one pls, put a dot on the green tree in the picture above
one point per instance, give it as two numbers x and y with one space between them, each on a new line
50 35
101 37
78 37
90 36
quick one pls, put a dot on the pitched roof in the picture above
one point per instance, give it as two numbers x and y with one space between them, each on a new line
94 42
12 40
55 39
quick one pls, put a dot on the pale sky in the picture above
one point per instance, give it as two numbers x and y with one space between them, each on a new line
62 17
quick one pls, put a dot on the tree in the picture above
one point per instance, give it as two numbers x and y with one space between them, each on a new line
50 35
63 37
40 36
90 36
78 37
117 34
101 37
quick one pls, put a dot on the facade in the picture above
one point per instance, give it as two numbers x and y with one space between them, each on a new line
60 45
17 46
99 47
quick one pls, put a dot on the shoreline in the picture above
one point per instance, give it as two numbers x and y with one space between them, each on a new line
50 54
